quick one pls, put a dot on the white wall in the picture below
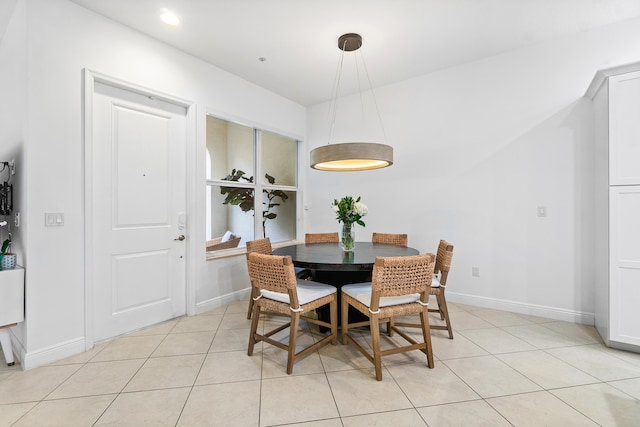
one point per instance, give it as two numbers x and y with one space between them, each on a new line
477 148
58 50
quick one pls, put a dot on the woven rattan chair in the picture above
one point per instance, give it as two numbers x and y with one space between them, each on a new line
278 290
261 246
311 238
400 286
390 239
438 286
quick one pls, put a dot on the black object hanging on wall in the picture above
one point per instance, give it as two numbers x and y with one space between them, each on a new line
6 191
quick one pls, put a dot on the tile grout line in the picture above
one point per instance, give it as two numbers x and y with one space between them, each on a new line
195 380
127 383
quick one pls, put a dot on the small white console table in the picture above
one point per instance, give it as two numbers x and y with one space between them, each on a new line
11 307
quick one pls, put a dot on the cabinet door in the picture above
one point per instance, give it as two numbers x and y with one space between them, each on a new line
11 296
624 129
624 264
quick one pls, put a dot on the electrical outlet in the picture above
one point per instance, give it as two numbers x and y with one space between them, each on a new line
542 211
475 271
16 219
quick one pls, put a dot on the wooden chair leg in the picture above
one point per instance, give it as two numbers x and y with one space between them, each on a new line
250 307
439 309
374 326
442 303
251 301
390 324
293 335
333 307
426 334
344 327
254 327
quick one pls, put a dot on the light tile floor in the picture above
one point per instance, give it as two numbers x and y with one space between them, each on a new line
500 369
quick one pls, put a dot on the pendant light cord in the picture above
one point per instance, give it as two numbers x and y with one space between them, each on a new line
335 92
373 94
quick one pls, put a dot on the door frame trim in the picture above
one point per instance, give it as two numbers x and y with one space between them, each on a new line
90 78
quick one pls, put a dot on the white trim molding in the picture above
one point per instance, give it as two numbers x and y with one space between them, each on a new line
52 353
213 303
523 308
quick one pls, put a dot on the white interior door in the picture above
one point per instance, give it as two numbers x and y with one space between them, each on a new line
138 210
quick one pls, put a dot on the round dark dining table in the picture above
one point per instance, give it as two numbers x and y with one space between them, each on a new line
330 264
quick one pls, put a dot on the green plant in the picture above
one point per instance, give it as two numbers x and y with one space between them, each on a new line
245 197
6 247
349 211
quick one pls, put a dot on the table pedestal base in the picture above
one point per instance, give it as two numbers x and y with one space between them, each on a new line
338 279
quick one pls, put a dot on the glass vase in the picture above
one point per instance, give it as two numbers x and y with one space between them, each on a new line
348 240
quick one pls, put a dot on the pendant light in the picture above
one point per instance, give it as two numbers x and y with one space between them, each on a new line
351 156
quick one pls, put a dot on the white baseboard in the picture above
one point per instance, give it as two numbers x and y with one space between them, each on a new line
623 346
210 304
51 354
523 308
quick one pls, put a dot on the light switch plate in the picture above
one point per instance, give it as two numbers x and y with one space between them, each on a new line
53 219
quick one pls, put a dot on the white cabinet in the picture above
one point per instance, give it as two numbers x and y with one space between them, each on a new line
11 296
11 306
616 97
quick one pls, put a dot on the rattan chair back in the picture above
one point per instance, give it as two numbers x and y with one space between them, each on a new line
273 273
403 275
443 261
261 246
311 238
390 239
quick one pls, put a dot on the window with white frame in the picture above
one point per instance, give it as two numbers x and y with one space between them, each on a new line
243 162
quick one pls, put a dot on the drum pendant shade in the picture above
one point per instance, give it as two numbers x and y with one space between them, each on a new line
351 156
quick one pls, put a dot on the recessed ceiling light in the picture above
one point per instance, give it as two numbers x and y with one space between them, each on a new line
169 18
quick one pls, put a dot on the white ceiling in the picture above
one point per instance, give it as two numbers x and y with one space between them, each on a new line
401 38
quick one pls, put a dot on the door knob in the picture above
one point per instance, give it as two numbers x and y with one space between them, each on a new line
180 237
